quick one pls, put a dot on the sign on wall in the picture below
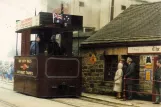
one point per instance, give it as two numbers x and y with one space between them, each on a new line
148 74
148 62
145 49
93 59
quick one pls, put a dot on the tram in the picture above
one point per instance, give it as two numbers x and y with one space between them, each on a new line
48 73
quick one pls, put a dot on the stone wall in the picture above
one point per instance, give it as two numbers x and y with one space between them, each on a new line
93 72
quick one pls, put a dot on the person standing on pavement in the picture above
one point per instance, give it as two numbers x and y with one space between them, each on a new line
157 83
118 80
129 75
124 68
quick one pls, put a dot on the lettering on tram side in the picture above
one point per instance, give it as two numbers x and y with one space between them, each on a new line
29 73
25 66
25 72
25 61
20 72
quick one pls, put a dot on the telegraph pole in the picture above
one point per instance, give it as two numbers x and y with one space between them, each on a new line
62 8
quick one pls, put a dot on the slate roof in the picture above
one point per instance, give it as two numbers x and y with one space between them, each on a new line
137 23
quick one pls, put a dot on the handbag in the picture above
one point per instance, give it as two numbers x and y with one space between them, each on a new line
117 81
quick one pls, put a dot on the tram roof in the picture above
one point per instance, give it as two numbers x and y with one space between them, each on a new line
44 20
53 27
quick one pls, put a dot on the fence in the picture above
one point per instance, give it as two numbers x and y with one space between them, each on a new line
125 90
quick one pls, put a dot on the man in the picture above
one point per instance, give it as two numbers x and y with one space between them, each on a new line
10 72
124 71
129 75
157 79
34 47
54 48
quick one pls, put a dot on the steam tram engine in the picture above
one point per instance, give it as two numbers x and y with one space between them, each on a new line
52 71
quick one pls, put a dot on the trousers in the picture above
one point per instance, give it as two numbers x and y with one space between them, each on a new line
158 92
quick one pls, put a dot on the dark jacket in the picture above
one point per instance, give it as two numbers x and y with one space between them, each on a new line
124 68
130 73
157 78
124 71
54 48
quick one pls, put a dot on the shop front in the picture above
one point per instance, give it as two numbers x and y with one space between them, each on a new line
128 35
98 74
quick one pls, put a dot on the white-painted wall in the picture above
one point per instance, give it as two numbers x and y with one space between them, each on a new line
90 12
119 3
96 13
105 12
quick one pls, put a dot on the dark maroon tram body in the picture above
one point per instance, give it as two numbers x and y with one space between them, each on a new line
45 75
52 76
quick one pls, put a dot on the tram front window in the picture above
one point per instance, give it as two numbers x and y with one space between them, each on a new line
34 47
42 44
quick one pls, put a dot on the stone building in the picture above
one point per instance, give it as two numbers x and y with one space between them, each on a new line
136 33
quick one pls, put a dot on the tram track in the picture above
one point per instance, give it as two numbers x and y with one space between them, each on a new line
87 102
75 102
6 104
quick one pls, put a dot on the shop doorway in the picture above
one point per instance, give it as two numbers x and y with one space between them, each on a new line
136 60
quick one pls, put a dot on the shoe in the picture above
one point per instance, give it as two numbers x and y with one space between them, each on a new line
119 97
156 103
130 98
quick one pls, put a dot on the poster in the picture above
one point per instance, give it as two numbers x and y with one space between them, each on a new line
148 74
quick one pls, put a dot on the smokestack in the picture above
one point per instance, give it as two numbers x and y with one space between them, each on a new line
112 10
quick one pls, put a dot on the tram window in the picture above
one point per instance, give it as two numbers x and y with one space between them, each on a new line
58 38
32 37
34 49
18 45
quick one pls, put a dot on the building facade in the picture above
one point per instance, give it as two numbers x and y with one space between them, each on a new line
135 35
95 14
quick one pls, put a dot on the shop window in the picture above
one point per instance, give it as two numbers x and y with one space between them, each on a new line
111 62
81 4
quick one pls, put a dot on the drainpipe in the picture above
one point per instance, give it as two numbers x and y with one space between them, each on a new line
62 8
112 10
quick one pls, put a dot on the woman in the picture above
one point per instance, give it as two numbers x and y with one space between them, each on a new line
118 80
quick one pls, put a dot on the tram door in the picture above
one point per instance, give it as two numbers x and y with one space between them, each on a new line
111 62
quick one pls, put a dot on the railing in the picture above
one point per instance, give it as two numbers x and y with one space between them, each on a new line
125 90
